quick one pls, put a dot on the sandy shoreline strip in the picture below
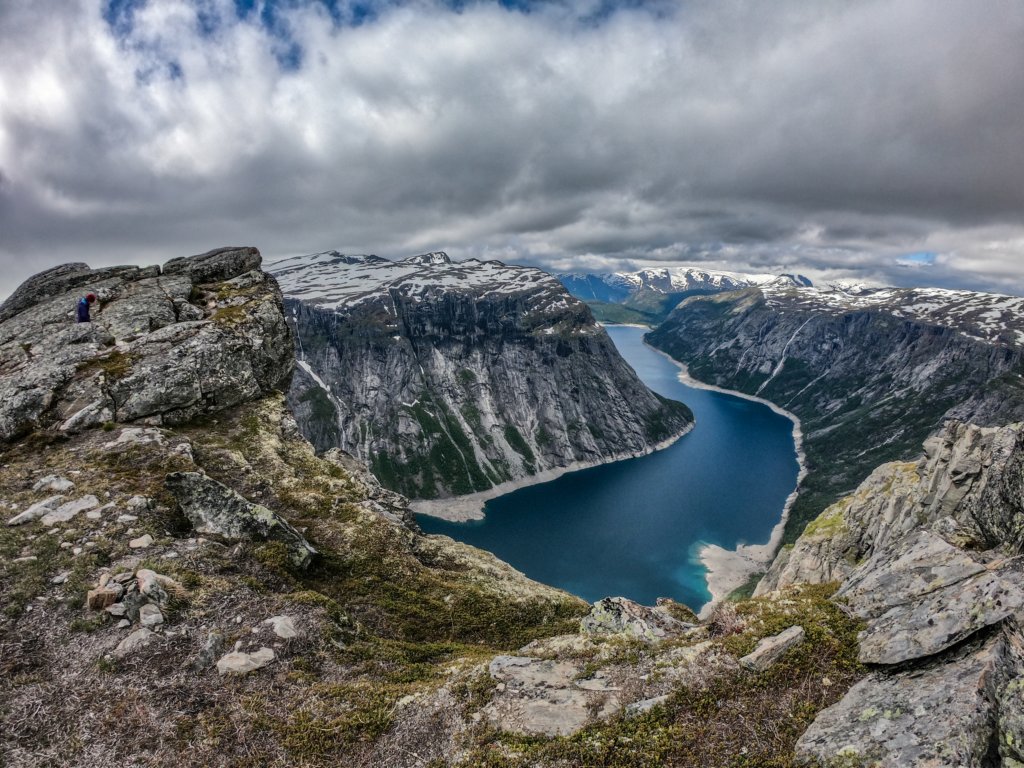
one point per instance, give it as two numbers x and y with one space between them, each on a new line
459 509
729 569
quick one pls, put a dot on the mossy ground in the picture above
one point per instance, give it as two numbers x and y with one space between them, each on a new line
381 619
738 718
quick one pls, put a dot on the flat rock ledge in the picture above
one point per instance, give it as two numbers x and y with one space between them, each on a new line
544 697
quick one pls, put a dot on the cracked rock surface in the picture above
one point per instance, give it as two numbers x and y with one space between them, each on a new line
164 346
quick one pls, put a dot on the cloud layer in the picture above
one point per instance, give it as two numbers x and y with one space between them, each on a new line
833 138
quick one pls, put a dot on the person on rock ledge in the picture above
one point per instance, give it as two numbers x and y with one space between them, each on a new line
83 307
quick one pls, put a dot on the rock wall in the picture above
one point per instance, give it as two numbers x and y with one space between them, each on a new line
466 386
968 473
868 384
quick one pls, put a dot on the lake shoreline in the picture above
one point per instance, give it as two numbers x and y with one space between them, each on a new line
729 569
462 509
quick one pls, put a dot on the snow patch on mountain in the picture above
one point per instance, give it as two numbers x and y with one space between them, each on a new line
338 282
986 316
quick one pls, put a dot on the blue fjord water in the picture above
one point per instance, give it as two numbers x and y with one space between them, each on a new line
635 527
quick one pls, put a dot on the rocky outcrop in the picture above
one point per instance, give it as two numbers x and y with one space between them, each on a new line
214 509
967 472
452 378
943 715
870 373
928 556
164 346
617 615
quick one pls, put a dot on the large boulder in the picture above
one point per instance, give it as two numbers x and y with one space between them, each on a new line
942 715
923 595
206 333
619 615
214 509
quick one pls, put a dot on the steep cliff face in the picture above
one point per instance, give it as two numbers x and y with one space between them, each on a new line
450 378
927 555
968 473
870 372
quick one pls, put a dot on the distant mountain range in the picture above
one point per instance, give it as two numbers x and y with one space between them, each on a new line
648 296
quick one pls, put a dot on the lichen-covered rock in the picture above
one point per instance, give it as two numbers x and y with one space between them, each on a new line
615 615
922 595
941 716
1011 721
967 473
215 509
163 347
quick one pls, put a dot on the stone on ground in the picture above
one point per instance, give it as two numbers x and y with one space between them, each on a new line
770 649
283 626
238 663
36 511
69 510
54 483
140 638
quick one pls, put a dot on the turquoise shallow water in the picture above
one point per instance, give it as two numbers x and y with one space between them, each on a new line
635 528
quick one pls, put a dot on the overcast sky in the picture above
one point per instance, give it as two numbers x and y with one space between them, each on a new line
876 140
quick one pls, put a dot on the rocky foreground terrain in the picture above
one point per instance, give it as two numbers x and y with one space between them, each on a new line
185 581
871 373
453 378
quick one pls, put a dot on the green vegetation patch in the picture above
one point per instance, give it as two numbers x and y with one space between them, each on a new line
736 719
115 366
518 444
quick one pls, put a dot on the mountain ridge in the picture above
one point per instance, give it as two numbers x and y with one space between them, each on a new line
452 378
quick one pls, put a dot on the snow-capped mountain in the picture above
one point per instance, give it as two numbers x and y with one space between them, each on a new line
987 316
871 372
454 377
340 282
650 294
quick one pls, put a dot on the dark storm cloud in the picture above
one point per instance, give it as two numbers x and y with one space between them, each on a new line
830 137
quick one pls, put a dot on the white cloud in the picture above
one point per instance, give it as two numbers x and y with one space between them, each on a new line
824 138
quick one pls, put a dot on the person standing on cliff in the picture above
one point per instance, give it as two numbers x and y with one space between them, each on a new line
83 307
